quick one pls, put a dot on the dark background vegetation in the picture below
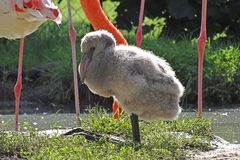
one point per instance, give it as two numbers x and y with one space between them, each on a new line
171 28
183 16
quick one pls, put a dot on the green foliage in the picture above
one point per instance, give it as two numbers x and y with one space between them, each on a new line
223 73
219 35
156 25
109 8
226 64
160 140
184 16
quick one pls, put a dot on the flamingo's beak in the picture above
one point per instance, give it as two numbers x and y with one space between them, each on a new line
86 59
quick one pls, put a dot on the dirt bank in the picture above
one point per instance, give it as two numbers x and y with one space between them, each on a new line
223 150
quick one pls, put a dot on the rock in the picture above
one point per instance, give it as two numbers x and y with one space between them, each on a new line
223 150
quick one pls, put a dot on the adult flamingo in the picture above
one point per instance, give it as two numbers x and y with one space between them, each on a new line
19 18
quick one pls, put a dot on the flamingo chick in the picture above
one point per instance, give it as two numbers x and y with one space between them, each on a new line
143 83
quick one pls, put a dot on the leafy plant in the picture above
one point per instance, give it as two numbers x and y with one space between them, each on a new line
156 26
109 8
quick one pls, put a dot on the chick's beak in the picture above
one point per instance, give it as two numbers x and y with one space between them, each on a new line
86 59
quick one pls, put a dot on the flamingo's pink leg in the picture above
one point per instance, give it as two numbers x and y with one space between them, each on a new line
201 47
72 36
18 85
139 29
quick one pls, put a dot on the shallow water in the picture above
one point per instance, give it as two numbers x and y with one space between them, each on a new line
226 122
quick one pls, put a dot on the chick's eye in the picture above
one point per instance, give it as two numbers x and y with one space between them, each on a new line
92 48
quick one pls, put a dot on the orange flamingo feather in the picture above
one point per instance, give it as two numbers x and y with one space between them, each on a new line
99 20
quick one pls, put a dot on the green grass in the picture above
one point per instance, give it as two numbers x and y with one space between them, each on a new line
159 140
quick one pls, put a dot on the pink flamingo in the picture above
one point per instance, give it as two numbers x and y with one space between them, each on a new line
19 18
201 47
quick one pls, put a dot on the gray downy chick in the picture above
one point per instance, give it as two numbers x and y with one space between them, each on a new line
142 83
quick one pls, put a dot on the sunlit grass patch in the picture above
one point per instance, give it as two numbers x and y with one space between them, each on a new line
160 140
